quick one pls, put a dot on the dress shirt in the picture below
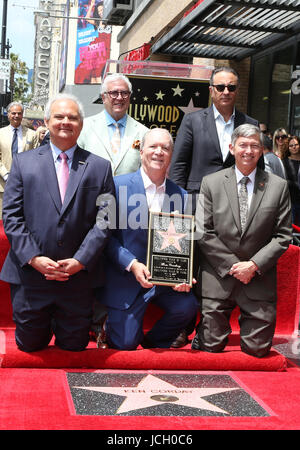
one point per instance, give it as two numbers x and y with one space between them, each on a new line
56 152
224 130
155 195
249 185
20 137
111 127
154 204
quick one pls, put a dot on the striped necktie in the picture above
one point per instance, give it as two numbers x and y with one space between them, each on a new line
243 201
14 145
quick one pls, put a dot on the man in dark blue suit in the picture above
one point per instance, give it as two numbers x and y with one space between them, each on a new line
55 259
128 289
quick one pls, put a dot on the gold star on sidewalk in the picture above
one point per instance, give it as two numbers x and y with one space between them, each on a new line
152 391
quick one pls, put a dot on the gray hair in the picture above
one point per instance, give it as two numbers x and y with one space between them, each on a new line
63 97
152 129
246 130
223 69
115 77
8 108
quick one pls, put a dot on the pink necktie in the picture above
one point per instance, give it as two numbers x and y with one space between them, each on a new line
63 175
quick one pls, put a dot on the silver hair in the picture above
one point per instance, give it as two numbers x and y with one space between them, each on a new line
152 129
246 130
63 97
115 77
8 108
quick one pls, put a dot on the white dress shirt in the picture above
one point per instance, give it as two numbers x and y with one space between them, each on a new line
224 130
249 185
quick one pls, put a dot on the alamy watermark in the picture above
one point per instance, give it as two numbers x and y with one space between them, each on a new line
132 212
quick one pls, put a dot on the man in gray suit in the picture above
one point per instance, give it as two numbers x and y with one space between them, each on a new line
112 133
244 220
23 137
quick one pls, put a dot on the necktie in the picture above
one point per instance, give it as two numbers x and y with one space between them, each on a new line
63 175
243 200
116 140
14 145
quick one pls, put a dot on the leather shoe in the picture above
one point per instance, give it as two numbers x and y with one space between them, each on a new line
195 344
180 341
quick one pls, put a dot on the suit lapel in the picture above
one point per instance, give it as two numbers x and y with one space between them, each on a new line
259 190
79 165
230 185
126 141
48 174
212 130
100 128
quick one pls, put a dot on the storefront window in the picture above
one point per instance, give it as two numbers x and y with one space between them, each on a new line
295 128
281 89
259 103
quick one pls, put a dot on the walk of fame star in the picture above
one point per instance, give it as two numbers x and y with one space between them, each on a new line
152 391
171 237
189 108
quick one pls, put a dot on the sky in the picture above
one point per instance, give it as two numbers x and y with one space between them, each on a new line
20 28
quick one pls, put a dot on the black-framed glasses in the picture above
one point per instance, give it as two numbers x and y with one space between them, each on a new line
282 136
222 87
115 94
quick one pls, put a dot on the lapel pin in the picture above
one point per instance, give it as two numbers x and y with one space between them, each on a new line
261 184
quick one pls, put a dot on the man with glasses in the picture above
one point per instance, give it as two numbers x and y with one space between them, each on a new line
112 133
202 142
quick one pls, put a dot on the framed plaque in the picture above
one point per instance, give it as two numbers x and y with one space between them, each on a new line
170 248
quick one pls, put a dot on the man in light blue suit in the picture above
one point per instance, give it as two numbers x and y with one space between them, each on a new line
98 133
56 236
128 289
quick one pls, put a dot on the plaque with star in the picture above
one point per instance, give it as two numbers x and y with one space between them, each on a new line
170 248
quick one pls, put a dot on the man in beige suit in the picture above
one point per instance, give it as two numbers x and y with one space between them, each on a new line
244 220
24 140
112 133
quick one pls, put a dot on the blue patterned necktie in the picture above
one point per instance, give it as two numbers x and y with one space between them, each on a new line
14 145
243 200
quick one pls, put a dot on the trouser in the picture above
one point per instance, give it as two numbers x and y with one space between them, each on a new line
257 322
40 312
124 328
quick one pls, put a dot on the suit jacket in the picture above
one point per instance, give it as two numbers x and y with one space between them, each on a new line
37 223
5 149
127 243
95 138
267 234
197 149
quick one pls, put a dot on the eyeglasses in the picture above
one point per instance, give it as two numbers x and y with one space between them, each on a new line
115 94
222 87
282 136
294 145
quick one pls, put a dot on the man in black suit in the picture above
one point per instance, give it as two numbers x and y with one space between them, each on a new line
202 143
